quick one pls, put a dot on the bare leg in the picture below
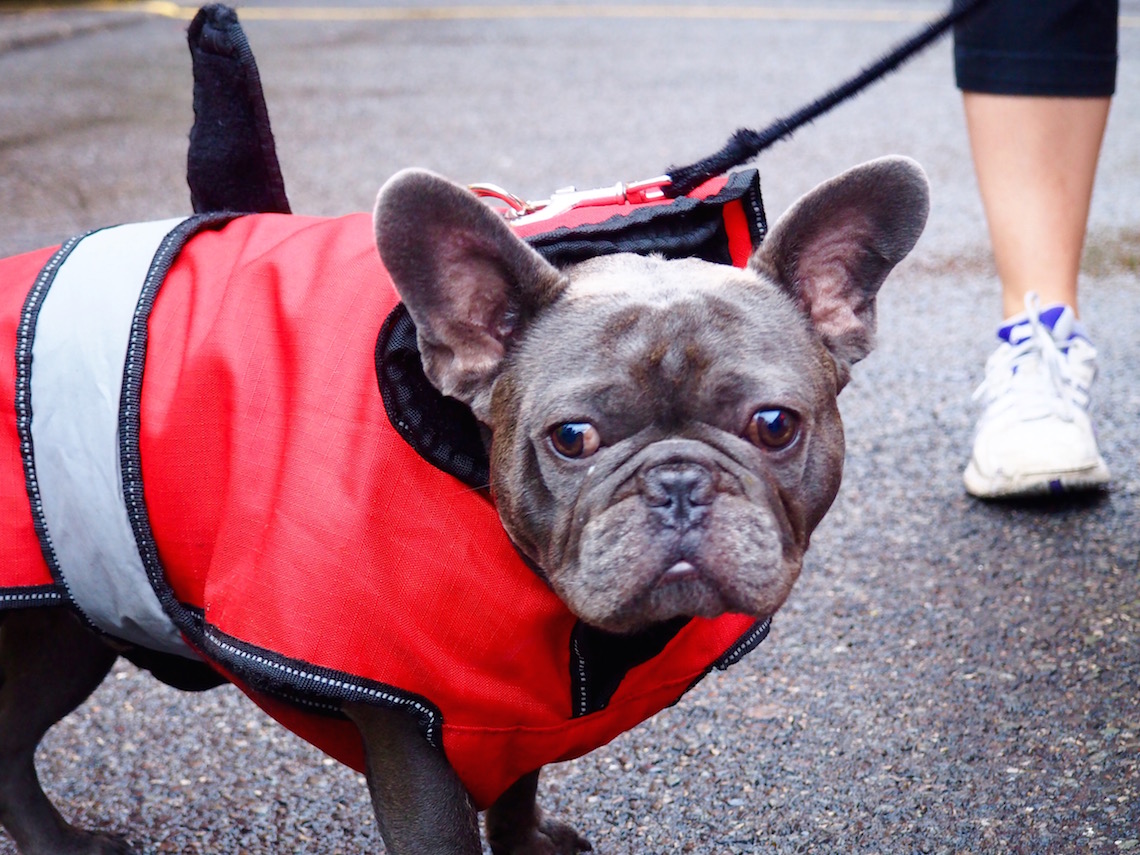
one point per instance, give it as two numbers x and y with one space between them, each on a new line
1035 159
49 664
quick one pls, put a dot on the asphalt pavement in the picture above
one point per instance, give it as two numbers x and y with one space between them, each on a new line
949 676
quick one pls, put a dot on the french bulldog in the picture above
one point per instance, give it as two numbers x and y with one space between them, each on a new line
663 438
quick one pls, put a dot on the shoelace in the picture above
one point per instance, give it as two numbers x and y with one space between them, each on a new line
1032 374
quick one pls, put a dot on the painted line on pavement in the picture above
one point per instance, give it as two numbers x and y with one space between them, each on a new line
168 9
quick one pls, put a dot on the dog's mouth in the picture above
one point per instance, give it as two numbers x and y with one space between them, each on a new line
684 587
682 571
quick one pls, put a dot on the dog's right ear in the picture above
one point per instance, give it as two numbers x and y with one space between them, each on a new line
469 283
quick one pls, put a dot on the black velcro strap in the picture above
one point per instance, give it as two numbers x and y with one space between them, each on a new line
687 227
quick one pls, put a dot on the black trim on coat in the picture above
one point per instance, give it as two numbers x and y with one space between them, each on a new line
32 596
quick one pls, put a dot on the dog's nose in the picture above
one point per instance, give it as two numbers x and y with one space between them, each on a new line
678 493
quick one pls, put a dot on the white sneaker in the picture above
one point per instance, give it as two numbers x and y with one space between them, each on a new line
1035 436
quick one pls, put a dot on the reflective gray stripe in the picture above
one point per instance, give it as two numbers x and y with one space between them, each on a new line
78 356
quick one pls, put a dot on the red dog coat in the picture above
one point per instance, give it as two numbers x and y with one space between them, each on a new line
200 461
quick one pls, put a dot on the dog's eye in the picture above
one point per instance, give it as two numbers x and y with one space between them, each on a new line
774 428
575 439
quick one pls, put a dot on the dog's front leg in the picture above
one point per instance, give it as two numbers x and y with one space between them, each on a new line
420 804
49 664
516 826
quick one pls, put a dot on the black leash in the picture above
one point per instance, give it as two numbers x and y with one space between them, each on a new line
745 144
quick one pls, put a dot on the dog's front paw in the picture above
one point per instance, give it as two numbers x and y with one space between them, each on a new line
546 838
76 841
106 844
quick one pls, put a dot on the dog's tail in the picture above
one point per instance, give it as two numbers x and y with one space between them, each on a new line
232 162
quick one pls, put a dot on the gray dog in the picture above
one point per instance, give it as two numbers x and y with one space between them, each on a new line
663 438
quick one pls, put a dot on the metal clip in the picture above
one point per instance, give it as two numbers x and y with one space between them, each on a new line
516 207
519 210
647 191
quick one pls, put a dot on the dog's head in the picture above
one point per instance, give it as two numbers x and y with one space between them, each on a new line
665 435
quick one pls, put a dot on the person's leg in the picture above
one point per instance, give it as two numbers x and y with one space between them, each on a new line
1035 159
1038 76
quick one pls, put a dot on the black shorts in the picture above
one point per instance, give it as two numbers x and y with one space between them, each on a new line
1039 47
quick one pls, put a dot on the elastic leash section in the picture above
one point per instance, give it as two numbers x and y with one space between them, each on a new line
745 144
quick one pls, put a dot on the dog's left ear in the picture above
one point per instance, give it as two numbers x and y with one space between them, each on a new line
834 247
469 283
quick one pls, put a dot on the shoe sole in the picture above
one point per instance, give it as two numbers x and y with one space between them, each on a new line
980 486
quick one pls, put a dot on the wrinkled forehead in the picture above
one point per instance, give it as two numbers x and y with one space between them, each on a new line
651 302
674 328
650 277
